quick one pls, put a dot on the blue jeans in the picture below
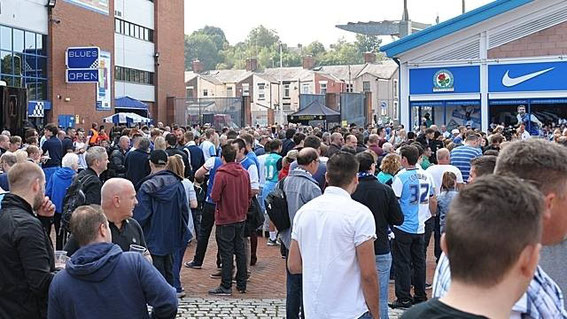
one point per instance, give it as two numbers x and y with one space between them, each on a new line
383 265
177 262
294 294
366 315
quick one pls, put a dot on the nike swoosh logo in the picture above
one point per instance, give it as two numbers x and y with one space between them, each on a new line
507 81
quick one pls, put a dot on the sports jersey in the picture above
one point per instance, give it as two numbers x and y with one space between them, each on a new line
271 167
209 150
252 169
212 164
413 188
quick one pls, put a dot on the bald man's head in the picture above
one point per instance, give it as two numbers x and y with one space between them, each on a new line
118 199
27 180
443 156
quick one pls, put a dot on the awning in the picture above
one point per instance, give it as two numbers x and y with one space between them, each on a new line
126 102
126 118
37 108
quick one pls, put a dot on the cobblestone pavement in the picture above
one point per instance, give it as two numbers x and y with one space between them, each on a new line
265 296
211 308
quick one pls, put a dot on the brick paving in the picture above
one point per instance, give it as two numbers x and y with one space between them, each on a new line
265 297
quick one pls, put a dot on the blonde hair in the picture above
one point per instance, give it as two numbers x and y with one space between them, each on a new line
21 156
159 143
175 164
391 164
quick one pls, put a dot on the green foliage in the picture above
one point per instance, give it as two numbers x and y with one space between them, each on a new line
209 45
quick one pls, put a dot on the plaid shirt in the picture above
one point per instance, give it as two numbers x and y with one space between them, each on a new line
542 300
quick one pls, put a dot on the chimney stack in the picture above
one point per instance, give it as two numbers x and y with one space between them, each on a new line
369 57
197 66
308 62
251 65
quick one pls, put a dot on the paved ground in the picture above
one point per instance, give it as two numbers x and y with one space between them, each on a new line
265 297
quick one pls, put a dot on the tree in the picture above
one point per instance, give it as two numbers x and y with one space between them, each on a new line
367 43
341 53
262 37
199 46
315 49
216 34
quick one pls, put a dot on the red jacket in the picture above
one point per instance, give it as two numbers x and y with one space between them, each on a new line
231 193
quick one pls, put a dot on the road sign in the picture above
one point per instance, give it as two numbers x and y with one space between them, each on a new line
383 104
82 57
81 75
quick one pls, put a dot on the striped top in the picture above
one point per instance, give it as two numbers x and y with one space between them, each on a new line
542 300
461 158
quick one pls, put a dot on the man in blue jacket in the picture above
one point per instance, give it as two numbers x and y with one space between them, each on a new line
163 213
101 281
136 161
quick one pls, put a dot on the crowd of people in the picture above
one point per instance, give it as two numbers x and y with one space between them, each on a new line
362 205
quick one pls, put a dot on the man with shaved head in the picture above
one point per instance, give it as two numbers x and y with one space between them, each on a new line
118 202
337 142
27 263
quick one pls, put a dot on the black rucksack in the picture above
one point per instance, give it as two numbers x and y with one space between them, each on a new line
74 197
276 207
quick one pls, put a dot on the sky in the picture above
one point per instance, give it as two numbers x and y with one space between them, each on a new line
305 21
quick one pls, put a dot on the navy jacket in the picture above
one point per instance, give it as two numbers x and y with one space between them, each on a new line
163 212
137 166
101 281
197 157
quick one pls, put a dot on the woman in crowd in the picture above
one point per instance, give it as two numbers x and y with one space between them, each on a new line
391 164
448 192
175 164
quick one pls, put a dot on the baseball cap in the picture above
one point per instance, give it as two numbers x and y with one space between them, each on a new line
455 131
158 157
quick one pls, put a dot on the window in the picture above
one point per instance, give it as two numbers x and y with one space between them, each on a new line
245 89
287 106
133 30
6 38
189 90
366 86
23 61
133 75
205 92
349 88
323 87
286 91
229 91
261 91
305 88
395 110
395 89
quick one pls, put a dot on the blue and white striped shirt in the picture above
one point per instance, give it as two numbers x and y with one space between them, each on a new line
461 158
542 300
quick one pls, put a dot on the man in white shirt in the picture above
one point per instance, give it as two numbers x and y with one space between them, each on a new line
333 247
444 165
208 146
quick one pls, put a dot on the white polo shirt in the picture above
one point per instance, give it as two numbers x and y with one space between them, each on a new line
328 229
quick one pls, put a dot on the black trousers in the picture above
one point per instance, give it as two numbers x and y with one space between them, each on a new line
164 264
408 250
433 227
206 227
230 239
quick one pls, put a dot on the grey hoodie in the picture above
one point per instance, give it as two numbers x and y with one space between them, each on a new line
299 188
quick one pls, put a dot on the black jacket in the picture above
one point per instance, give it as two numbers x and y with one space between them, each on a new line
287 146
333 148
137 166
26 261
91 186
382 201
116 163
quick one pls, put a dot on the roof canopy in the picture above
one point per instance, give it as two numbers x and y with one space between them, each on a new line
445 28
126 102
313 112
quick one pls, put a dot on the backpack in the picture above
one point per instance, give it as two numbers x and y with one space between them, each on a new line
276 207
74 197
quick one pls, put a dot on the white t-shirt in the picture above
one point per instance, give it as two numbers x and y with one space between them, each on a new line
328 229
261 173
437 172
425 179
526 135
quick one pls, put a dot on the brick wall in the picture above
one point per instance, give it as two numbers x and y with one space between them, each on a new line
332 85
77 27
551 41
169 42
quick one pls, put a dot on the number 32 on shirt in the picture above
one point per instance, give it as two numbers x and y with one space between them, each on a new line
419 193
